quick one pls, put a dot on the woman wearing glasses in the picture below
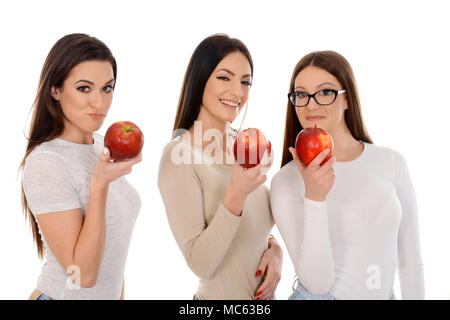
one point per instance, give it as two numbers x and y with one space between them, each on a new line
345 223
219 213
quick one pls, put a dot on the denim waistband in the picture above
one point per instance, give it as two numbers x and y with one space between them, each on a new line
44 297
301 293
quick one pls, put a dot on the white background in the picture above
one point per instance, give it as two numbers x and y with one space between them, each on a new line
398 50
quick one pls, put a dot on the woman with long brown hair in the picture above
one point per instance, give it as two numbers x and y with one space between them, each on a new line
81 209
219 213
345 223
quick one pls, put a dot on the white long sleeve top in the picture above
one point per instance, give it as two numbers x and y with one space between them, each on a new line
351 244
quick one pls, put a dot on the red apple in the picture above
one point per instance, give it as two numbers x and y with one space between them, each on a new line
249 147
124 140
312 141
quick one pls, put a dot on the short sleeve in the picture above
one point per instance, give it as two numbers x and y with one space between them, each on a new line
48 184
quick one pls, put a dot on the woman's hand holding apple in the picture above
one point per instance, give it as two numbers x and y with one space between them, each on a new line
318 179
105 171
244 181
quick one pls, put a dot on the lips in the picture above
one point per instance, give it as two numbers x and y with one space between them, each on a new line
230 104
96 116
314 118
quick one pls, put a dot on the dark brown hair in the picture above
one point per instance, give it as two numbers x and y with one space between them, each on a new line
339 67
47 119
204 60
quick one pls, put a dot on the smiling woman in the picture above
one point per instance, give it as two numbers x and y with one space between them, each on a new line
219 214
72 194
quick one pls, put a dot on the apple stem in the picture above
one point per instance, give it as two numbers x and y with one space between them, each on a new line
128 129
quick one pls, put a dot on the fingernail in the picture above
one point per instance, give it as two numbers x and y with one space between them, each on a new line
259 292
105 150
258 273
257 298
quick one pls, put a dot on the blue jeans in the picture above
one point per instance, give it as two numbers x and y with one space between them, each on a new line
44 297
301 293
195 298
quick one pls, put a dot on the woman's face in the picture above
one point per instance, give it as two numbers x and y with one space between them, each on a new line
228 87
86 96
330 117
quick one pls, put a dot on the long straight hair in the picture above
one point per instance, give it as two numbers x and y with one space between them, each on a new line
204 60
47 119
338 66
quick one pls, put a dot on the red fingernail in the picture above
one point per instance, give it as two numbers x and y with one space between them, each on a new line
258 273
257 298
259 292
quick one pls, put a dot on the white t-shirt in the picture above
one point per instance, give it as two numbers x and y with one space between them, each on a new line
349 245
56 177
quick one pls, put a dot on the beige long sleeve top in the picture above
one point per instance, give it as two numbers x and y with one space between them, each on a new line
222 249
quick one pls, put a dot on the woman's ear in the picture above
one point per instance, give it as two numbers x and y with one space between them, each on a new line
345 103
54 92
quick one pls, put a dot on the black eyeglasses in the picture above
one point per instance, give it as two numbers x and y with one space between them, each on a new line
323 97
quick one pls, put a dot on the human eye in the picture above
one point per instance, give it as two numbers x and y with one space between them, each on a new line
84 89
247 83
223 78
301 94
326 92
108 89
